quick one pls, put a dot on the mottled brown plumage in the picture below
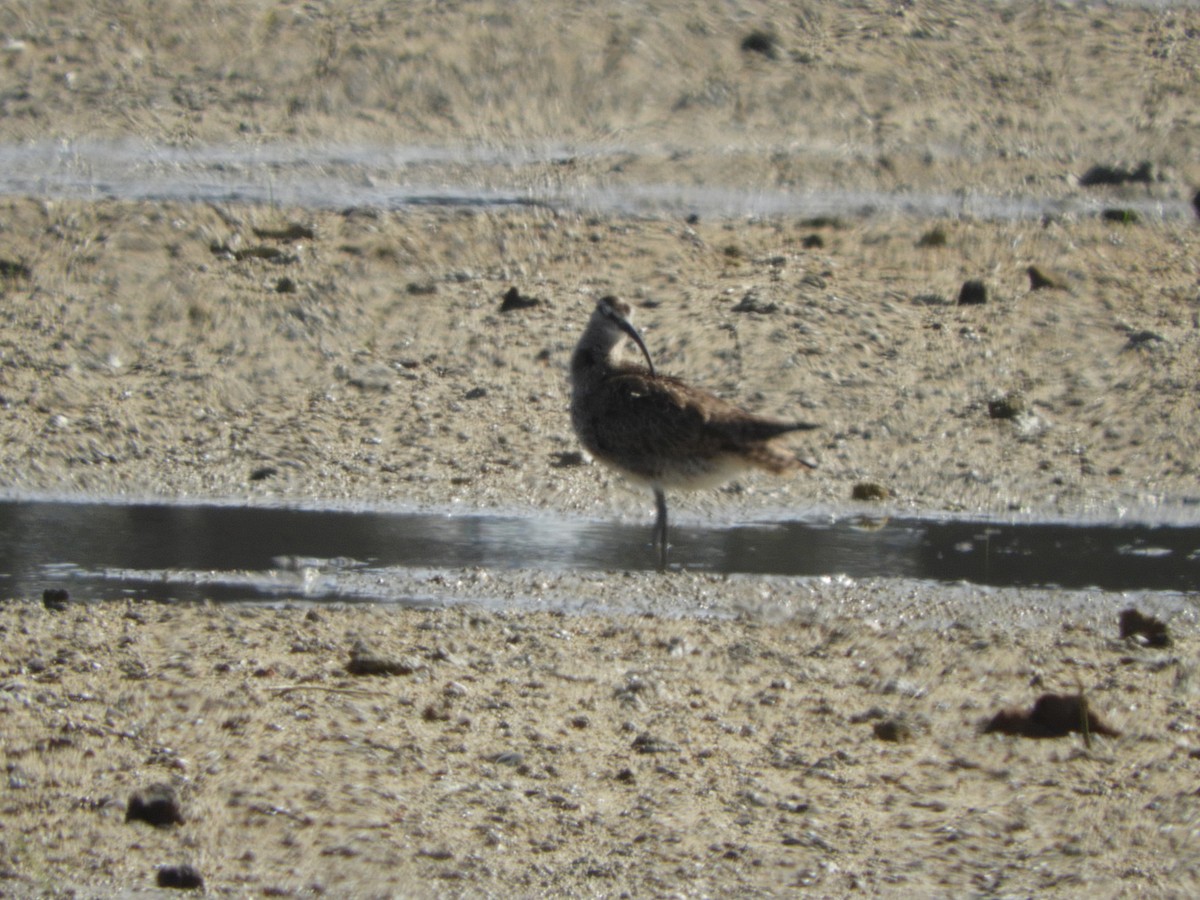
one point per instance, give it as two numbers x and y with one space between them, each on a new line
659 430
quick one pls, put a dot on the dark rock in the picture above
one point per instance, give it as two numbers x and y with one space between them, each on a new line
263 472
567 459
1143 340
56 599
10 268
156 805
436 713
1052 715
262 251
184 877
514 299
1045 279
285 285
869 490
763 42
420 288
1196 203
896 730
1123 216
1010 406
821 222
934 237
813 242
1148 630
1115 175
973 293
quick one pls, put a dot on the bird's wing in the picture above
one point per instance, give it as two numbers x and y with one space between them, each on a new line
646 424
634 416
735 425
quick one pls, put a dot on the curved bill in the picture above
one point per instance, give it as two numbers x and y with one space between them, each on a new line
627 327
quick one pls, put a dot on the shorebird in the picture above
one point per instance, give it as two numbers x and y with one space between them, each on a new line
658 430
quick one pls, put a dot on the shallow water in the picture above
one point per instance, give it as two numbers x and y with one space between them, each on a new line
193 552
334 177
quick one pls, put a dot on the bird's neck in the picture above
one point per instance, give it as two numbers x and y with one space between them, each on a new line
596 352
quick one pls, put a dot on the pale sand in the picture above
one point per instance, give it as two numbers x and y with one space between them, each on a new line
512 760
135 362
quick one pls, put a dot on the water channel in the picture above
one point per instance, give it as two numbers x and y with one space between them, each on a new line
225 552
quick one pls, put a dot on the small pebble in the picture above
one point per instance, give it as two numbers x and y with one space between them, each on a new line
1148 630
973 293
183 877
156 805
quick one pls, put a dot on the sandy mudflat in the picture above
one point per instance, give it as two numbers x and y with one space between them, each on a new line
195 351
541 754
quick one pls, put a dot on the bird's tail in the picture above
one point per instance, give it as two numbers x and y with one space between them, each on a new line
766 429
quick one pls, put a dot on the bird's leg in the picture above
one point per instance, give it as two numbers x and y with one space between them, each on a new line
660 527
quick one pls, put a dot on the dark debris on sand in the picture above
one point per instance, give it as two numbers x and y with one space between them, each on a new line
1052 715
1145 629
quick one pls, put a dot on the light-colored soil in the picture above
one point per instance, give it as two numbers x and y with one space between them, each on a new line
140 362
372 365
541 755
